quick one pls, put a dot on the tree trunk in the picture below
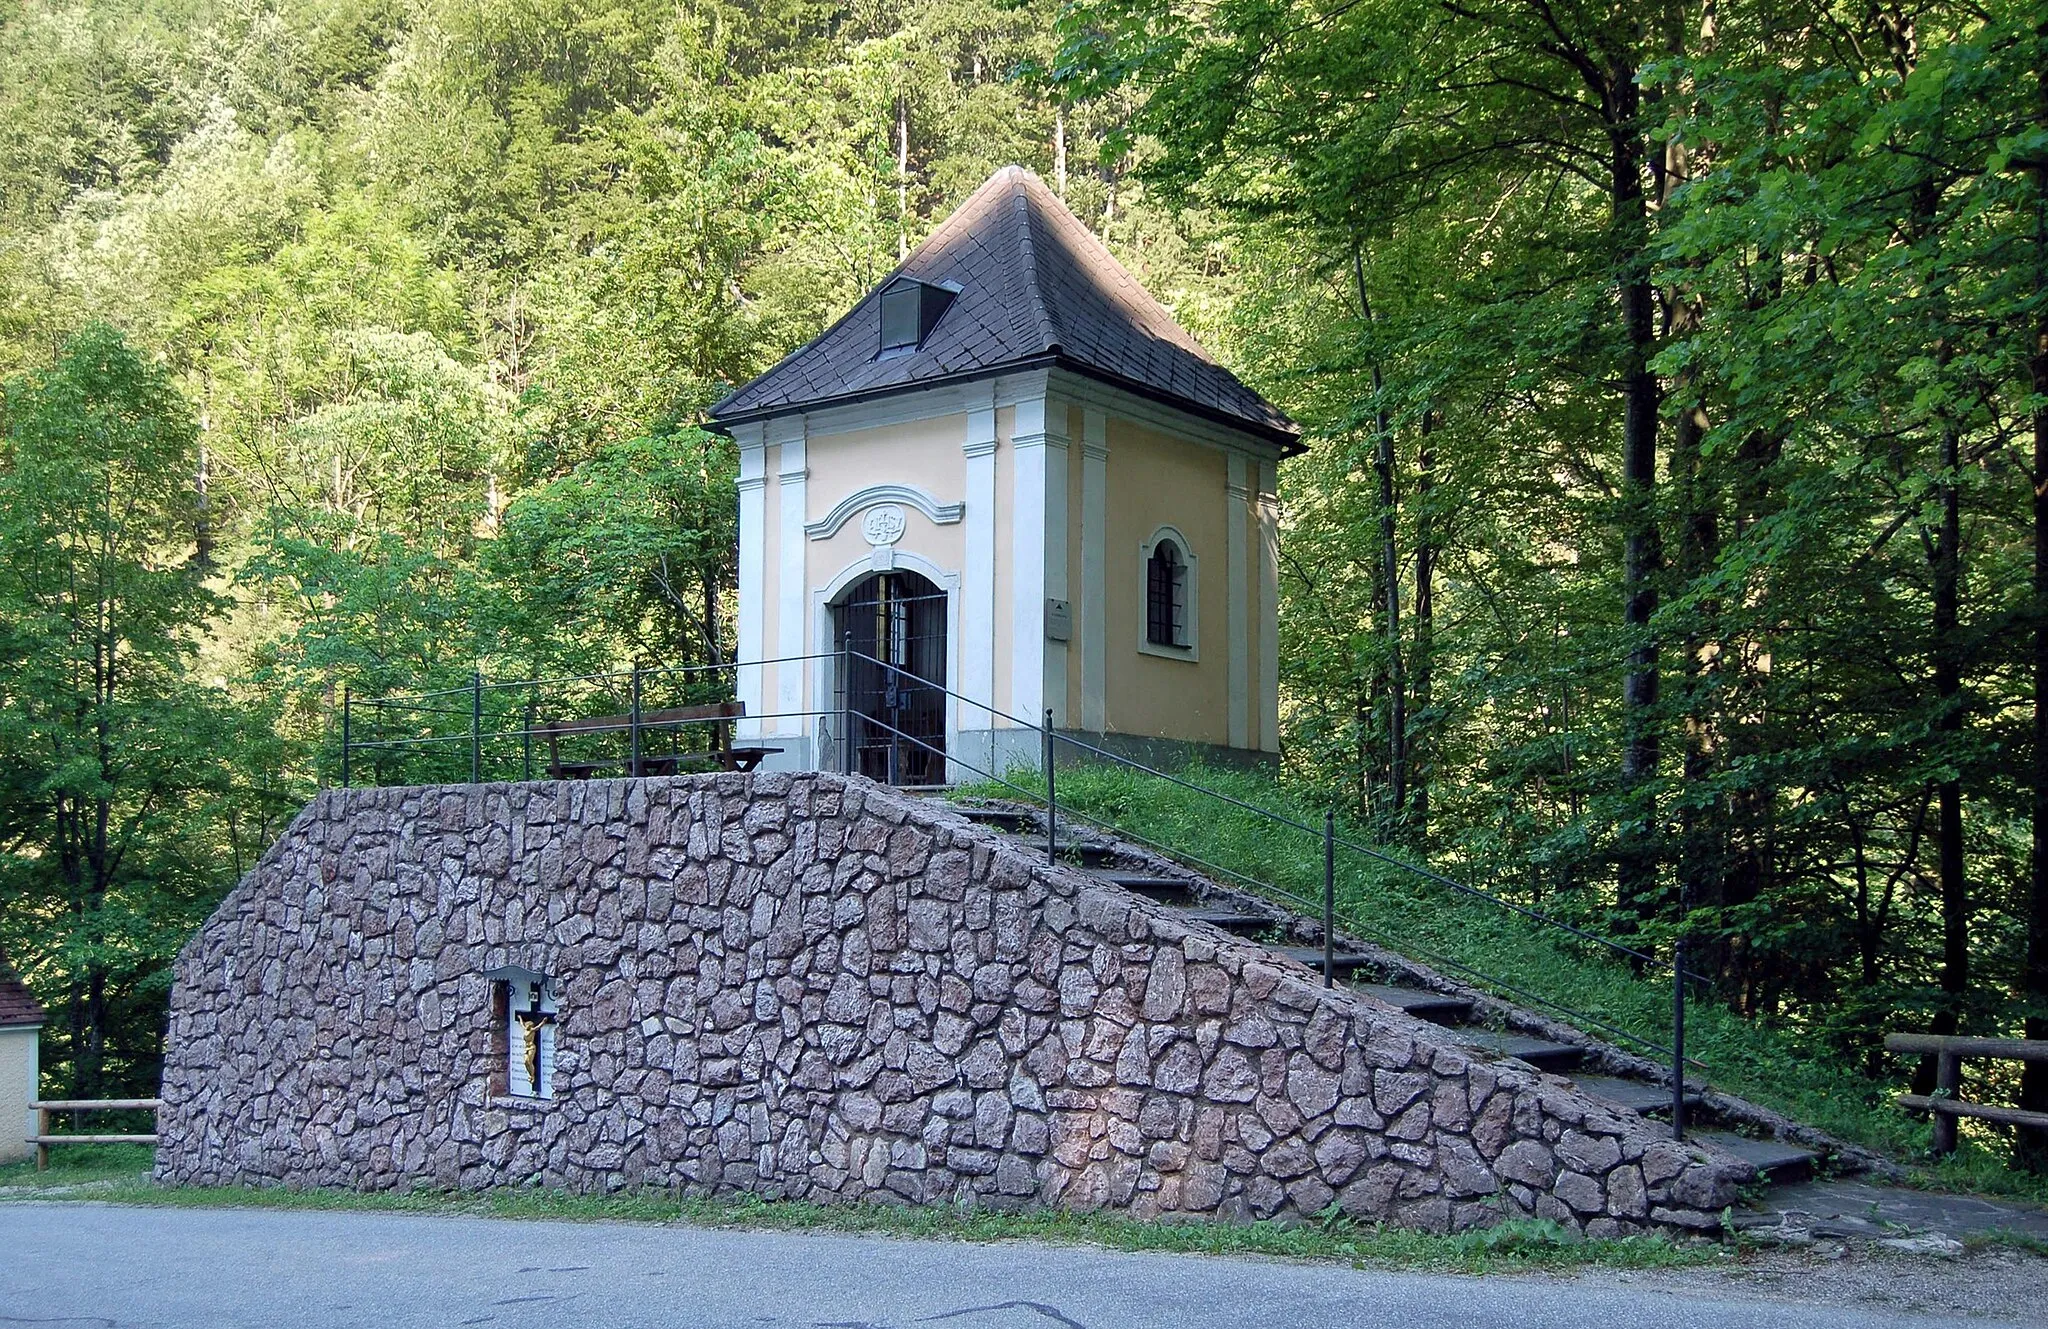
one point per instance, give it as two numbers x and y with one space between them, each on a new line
714 649
1425 632
902 178
1390 569
1948 689
1642 551
202 512
1059 150
1752 807
1701 865
2033 1143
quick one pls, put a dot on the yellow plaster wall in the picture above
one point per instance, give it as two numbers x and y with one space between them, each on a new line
1077 644
1156 480
925 453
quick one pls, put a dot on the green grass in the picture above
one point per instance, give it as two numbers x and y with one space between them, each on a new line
80 1164
1432 923
1521 1244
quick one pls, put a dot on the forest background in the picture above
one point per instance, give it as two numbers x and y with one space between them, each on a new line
1668 548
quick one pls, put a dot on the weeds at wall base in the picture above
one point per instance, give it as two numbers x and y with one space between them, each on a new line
118 1175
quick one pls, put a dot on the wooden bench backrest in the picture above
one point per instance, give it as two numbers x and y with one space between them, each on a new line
717 712
601 724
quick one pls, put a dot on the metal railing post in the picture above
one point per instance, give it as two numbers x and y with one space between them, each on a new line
476 726
846 701
1052 801
346 738
526 734
1678 1039
633 726
1329 898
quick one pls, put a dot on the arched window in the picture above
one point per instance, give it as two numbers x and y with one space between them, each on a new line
1169 595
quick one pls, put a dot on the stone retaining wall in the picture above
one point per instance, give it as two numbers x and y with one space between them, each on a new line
812 986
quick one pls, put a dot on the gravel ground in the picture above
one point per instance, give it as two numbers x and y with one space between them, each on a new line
1996 1283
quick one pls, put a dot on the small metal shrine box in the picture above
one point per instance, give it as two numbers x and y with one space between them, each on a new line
523 1016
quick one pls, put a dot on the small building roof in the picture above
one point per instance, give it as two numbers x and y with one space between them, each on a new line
18 1006
1035 288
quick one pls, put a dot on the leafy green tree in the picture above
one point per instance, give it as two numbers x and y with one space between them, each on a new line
113 751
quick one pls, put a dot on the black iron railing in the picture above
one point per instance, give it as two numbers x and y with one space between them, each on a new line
646 703
1051 738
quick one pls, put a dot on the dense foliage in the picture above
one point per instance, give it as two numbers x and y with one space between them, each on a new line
1676 380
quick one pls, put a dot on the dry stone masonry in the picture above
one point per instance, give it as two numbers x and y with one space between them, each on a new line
815 987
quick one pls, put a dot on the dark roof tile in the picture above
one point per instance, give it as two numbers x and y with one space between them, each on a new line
18 1005
1034 284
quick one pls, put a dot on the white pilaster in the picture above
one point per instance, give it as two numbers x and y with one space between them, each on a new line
1269 607
791 475
1057 585
753 481
1038 449
978 571
1094 590
1238 576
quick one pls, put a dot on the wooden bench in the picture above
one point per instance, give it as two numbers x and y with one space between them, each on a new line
45 1137
719 715
1948 1052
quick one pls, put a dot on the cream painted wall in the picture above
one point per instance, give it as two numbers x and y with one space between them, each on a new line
1154 476
925 453
922 453
1156 480
18 1067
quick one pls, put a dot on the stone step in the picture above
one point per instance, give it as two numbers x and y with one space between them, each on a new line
1645 1096
1541 1053
1775 1161
1006 819
1166 890
1231 920
1312 956
1088 853
1436 1007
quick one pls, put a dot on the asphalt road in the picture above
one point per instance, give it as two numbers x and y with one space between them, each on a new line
92 1266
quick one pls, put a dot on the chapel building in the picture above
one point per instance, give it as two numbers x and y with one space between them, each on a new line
1005 483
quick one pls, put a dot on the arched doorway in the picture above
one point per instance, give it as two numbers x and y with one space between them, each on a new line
894 627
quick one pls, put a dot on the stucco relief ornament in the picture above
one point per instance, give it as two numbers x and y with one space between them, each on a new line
883 525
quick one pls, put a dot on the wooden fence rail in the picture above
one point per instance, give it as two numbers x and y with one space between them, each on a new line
45 1137
1948 1052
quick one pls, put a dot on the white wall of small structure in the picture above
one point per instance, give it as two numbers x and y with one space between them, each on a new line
20 1069
1016 491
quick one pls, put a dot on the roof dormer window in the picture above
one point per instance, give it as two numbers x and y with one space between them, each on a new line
910 310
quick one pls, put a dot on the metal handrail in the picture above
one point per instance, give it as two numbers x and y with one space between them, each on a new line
1198 863
1050 737
489 685
1679 973
1281 819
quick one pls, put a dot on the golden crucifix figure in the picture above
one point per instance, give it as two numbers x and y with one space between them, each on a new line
531 1020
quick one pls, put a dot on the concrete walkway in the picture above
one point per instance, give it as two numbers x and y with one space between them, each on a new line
79 1264
1856 1210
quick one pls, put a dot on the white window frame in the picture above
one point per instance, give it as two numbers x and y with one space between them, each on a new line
1190 589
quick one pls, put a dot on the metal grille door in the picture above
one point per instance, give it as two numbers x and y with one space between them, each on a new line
896 709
